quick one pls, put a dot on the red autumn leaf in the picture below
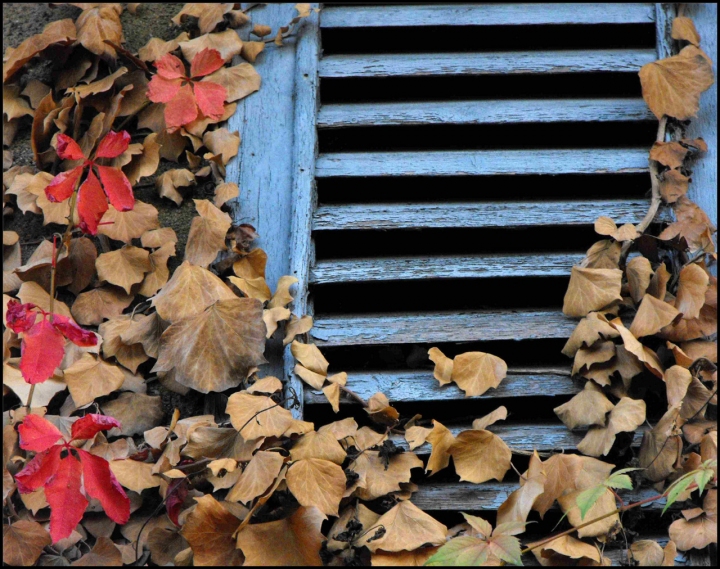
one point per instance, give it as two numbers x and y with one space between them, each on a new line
63 185
117 187
206 62
91 201
92 204
68 149
64 471
67 504
101 484
176 493
19 316
113 145
183 95
91 424
42 350
73 332
37 434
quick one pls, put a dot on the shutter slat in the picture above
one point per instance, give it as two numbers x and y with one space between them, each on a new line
495 63
474 215
464 496
409 386
426 328
522 436
485 15
445 267
484 162
483 112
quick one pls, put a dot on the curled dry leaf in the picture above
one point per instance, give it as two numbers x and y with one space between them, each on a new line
588 407
684 29
297 326
480 456
692 285
157 238
227 43
317 482
282 296
636 348
239 81
639 272
209 530
272 316
125 267
156 47
441 440
128 225
499 414
626 416
443 366
207 234
13 105
310 357
591 329
214 350
168 183
381 411
332 392
258 476
670 154
567 550
662 446
251 50
652 316
673 185
255 416
606 226
190 291
672 86
92 307
90 378
591 289
476 372
222 142
159 273
375 480
128 355
697 531
518 504
61 32
225 192
98 24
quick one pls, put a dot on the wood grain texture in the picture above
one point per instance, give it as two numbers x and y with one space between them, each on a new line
523 436
464 496
444 267
485 15
703 189
494 63
484 162
484 112
303 183
408 386
465 215
434 327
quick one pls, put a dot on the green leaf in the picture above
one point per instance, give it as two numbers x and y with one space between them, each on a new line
703 477
461 551
508 528
618 481
586 499
677 488
507 548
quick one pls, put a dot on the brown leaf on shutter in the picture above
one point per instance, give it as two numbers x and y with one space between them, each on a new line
91 307
588 407
673 185
652 316
626 416
692 286
684 29
480 456
317 482
591 289
639 272
207 234
124 267
670 154
672 86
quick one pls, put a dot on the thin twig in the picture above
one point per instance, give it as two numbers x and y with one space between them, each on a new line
354 396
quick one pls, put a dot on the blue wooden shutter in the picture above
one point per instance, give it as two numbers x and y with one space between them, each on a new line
280 168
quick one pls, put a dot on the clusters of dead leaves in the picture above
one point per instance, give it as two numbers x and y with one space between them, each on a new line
259 487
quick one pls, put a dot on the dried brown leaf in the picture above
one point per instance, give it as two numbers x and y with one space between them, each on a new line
591 289
91 307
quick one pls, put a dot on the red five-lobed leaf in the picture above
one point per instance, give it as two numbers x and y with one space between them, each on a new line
42 350
39 470
37 434
68 149
101 484
210 98
91 424
63 185
113 145
170 67
73 332
92 204
117 187
67 504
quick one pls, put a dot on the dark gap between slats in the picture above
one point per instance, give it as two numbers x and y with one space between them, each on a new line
488 87
451 241
488 137
439 39
404 357
432 295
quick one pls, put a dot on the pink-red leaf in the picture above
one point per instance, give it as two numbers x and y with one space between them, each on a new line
114 144
162 90
39 470
42 350
68 149
67 504
91 424
62 186
20 317
73 332
37 434
92 204
181 110
170 67
210 98
176 493
205 62
117 187
100 483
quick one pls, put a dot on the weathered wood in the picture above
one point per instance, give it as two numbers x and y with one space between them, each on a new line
303 182
703 189
484 112
432 327
465 215
409 386
483 162
493 63
444 267
522 437
465 496
485 15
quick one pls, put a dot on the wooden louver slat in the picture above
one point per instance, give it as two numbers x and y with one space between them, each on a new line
485 15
